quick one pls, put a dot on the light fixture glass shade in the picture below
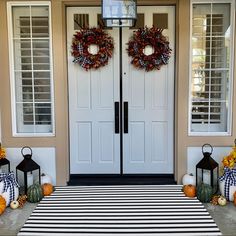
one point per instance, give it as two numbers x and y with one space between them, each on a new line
119 13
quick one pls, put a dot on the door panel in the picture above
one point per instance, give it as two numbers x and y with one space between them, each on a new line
94 146
148 135
148 146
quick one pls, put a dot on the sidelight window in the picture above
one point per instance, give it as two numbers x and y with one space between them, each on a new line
31 68
211 71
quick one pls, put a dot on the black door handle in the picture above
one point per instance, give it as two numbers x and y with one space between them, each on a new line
117 118
126 118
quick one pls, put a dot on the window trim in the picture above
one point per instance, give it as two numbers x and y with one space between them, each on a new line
231 71
12 74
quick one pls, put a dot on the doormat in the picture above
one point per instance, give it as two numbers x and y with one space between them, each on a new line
119 210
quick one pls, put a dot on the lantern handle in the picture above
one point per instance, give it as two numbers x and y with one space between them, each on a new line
28 148
207 144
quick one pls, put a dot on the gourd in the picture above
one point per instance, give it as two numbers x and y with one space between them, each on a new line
189 190
47 189
46 179
189 179
204 192
14 205
2 205
222 201
34 193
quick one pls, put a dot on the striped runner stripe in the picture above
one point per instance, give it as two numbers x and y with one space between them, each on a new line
127 210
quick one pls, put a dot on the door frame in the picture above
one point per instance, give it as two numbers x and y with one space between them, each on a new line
123 176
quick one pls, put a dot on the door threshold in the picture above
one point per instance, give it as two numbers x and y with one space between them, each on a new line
109 179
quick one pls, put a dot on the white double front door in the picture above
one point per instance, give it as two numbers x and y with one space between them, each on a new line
144 143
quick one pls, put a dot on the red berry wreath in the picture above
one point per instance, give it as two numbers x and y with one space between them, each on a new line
80 45
149 37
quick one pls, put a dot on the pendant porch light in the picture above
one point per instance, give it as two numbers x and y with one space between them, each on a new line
119 13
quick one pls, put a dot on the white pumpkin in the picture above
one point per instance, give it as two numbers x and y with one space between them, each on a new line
14 205
232 189
6 195
222 201
46 179
189 179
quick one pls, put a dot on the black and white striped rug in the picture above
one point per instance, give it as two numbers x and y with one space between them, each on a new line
119 210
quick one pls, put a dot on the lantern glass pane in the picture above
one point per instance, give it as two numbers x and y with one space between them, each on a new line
199 176
20 180
207 177
215 180
32 178
4 169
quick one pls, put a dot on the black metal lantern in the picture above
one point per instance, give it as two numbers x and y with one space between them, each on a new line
207 170
119 13
28 166
4 163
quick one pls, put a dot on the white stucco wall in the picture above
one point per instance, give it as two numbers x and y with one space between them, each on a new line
45 157
194 155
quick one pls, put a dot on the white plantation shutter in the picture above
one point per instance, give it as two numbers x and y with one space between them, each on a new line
211 77
31 69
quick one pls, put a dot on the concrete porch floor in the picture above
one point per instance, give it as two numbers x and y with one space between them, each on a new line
12 220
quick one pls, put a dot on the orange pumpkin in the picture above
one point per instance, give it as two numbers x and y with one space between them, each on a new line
235 198
2 204
47 189
189 190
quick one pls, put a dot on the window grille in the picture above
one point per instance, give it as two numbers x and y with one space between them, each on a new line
31 69
211 77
